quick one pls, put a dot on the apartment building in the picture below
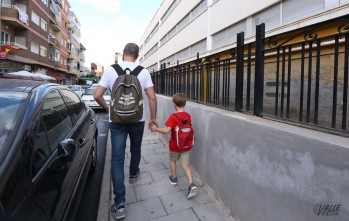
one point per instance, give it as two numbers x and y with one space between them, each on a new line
38 34
181 29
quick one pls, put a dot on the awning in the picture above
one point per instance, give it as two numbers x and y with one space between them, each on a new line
36 76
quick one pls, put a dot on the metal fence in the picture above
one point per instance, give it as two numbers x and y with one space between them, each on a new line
298 77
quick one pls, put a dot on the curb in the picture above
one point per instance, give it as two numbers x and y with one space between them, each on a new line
105 197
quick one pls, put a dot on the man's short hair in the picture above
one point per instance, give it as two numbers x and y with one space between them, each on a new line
179 99
132 50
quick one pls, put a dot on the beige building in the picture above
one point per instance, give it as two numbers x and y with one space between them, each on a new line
181 29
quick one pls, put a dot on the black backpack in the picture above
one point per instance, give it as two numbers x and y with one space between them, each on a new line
126 101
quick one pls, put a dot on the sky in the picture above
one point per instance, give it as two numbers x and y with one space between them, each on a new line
107 25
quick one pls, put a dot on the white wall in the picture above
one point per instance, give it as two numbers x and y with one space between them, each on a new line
263 170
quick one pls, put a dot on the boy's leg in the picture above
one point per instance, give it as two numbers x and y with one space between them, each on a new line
192 189
173 168
173 159
184 157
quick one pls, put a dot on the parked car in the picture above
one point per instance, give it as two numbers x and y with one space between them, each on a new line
77 89
47 150
90 101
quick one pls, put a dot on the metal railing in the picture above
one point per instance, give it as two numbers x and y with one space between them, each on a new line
297 77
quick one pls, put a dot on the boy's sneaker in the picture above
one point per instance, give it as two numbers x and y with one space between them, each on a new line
192 190
133 179
118 212
172 180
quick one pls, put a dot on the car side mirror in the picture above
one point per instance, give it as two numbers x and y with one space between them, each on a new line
66 150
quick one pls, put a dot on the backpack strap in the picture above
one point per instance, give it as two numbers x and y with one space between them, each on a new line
180 120
137 70
118 69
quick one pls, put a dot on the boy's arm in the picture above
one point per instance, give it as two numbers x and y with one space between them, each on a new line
165 130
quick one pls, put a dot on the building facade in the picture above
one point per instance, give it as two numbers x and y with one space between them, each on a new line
35 37
181 29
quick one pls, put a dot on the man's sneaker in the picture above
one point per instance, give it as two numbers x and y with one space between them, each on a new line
133 179
118 212
192 190
172 180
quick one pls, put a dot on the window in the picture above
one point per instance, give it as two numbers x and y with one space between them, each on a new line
34 47
56 119
43 51
44 1
43 24
55 125
5 37
42 150
74 104
35 18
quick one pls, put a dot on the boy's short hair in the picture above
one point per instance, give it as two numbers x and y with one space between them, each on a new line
179 99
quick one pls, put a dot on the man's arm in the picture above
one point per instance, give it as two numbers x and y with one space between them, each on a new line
98 96
152 105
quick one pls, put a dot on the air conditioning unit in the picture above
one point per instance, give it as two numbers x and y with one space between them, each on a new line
27 67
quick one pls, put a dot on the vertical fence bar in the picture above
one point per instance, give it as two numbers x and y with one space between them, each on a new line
208 82
188 81
310 63
201 72
283 80
226 83
288 82
162 74
335 82
317 81
302 84
259 70
216 82
276 110
239 88
193 83
248 92
345 86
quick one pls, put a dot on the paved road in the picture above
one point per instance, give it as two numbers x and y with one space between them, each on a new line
89 202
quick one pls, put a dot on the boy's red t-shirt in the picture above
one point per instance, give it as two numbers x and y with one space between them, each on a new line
172 121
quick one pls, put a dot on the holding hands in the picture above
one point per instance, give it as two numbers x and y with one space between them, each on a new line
153 124
153 127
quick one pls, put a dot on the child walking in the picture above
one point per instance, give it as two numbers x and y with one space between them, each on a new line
179 101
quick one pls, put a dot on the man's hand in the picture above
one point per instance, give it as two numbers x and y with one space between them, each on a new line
152 122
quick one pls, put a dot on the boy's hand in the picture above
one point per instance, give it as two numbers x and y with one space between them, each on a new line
153 127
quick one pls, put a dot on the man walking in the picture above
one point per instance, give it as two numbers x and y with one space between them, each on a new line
120 131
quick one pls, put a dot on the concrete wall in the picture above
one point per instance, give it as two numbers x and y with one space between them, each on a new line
264 170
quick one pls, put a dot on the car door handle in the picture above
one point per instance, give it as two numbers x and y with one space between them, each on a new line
92 121
82 141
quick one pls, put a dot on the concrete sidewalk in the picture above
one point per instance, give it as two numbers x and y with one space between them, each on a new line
153 197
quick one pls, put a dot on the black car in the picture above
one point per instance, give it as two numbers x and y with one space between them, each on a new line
47 150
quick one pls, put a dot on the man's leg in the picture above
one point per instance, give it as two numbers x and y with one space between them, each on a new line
118 139
136 135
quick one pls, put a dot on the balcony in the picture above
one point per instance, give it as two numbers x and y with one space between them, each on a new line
19 42
14 16
53 41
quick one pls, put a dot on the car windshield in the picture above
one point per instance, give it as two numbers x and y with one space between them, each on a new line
75 88
11 106
91 91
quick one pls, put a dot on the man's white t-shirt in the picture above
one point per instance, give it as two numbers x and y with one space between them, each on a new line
109 76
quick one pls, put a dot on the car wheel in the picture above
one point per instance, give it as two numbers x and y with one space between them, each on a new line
94 157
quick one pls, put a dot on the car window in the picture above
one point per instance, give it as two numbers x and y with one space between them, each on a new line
42 150
12 106
74 104
75 88
56 119
90 91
